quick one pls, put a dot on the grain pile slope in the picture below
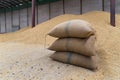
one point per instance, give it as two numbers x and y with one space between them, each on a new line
37 34
108 45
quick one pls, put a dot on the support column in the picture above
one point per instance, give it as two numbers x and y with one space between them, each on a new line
112 12
33 12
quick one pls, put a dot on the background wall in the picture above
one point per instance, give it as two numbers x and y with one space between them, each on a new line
19 19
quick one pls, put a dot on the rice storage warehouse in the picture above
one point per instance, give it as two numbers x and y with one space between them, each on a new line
59 39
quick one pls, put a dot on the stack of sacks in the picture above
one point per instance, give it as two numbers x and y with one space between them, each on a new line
75 44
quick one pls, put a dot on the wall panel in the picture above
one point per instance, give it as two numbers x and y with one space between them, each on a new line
72 6
43 13
29 16
91 5
15 20
2 22
56 9
8 22
23 18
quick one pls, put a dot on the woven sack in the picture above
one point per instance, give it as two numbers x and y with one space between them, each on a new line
76 59
72 28
82 46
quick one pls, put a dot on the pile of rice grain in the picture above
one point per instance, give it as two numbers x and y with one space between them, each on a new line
108 48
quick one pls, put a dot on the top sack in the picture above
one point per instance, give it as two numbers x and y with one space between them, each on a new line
72 29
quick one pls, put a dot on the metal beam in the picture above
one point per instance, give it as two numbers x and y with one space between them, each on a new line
103 5
10 2
2 6
33 13
112 12
5 6
4 2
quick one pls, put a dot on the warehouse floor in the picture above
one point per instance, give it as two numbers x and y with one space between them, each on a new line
23 54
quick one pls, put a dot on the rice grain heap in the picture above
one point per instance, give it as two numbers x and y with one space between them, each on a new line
75 44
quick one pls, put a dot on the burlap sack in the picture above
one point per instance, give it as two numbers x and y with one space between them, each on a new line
73 28
81 46
76 59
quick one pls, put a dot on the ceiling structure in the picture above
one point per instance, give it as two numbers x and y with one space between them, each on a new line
8 5
12 3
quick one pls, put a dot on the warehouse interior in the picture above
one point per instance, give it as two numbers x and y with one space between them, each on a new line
15 15
29 30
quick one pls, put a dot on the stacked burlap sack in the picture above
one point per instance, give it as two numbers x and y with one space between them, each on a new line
76 43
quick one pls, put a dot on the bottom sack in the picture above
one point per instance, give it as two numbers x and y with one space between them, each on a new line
89 62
